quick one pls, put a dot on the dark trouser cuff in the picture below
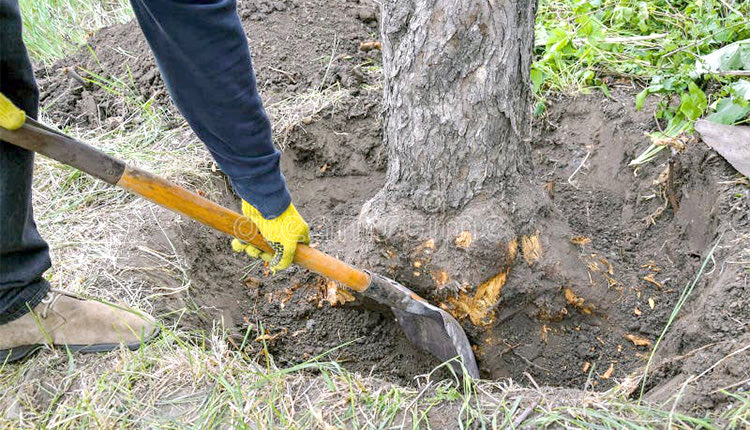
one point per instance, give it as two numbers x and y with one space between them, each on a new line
23 299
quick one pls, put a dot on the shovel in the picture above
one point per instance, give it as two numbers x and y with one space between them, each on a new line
429 327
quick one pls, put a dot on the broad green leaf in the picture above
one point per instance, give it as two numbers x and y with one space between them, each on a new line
640 99
735 56
556 35
537 78
622 15
539 108
693 103
728 112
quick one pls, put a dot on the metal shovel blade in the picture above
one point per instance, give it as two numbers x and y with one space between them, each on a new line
429 327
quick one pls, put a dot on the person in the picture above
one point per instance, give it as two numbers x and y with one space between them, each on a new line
202 53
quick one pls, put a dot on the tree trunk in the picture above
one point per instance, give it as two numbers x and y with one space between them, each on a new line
457 126
460 202
462 218
457 95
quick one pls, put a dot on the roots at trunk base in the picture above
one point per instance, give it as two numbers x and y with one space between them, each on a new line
523 295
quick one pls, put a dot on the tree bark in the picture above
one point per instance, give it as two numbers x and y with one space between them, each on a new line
457 93
457 127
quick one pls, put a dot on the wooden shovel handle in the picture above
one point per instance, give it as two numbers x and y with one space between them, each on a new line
51 143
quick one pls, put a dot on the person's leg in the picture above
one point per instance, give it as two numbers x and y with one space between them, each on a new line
203 56
24 256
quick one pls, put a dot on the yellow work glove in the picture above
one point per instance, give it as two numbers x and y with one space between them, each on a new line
281 233
11 118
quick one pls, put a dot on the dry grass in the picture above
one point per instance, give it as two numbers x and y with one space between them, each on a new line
302 109
87 222
180 382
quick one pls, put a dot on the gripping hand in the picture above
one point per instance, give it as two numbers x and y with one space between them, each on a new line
281 233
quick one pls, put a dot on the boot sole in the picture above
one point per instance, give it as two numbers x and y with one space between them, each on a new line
19 353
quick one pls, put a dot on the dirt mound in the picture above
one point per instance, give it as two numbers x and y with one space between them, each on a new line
297 45
643 234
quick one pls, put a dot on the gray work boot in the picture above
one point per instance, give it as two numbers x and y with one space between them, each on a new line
66 321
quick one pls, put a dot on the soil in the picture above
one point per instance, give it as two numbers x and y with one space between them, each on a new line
633 224
648 236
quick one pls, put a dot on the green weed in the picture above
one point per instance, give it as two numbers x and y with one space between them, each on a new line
586 44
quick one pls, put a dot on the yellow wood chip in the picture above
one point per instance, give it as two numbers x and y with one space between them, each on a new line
651 278
441 278
545 330
269 337
609 372
463 240
638 341
651 302
531 246
336 295
580 240
577 301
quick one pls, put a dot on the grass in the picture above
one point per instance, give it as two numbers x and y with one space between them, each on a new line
92 214
54 28
194 379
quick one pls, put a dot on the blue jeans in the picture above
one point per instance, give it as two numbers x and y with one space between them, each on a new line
24 256
202 54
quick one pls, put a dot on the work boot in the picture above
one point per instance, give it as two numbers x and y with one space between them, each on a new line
66 321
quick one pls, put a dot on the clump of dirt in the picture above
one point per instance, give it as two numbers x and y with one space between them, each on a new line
643 233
